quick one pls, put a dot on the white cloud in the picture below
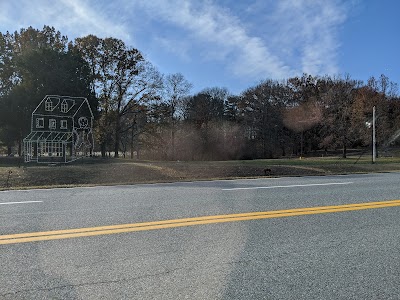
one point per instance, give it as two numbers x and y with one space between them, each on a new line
302 34
310 28
3 13
73 17
223 33
88 18
177 47
274 39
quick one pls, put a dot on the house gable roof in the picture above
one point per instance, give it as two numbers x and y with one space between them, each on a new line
62 106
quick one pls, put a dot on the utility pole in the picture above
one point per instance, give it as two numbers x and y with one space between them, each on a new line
373 136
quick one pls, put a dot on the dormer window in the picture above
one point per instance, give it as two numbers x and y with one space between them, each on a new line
64 106
48 105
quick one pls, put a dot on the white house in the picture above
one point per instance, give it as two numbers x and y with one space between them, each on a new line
61 130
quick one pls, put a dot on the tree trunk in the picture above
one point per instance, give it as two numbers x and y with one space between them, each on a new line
116 145
301 143
19 148
344 155
173 142
132 152
103 150
117 137
132 136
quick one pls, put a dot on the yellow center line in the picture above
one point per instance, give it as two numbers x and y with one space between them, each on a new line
143 226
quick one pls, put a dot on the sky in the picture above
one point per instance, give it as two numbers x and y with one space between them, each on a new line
232 43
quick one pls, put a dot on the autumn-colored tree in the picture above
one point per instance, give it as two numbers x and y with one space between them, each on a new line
380 93
302 117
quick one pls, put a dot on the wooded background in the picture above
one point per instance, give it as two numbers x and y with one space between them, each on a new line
143 114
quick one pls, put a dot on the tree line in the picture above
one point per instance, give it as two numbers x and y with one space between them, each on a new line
141 113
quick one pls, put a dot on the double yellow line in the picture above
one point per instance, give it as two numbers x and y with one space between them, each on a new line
123 228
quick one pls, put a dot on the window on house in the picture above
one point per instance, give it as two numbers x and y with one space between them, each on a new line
52 124
64 106
39 122
48 105
63 124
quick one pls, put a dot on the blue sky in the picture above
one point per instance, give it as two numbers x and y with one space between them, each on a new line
231 43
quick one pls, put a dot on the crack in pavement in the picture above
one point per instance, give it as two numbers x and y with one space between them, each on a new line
166 272
90 283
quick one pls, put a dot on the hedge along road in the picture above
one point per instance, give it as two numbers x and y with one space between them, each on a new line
291 243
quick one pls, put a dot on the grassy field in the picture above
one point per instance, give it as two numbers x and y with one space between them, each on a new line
14 174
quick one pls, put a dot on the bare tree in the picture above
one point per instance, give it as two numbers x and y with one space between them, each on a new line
338 102
176 89
301 118
123 80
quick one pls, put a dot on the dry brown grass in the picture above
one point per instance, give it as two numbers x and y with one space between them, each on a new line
120 171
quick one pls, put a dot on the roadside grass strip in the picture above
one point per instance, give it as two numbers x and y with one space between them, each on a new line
144 226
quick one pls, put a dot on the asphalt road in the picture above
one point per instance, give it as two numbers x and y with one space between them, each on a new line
289 252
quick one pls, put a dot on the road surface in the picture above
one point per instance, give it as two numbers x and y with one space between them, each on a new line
331 237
